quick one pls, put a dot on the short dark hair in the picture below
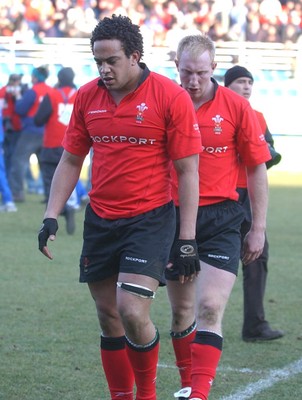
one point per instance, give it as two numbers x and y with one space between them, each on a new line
120 28
66 77
41 73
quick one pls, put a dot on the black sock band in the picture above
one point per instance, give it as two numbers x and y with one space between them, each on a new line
186 332
144 347
113 343
210 338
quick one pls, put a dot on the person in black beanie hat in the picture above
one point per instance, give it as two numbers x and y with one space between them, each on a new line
244 88
236 72
255 327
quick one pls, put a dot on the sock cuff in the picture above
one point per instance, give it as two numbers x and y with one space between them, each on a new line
143 347
186 332
209 338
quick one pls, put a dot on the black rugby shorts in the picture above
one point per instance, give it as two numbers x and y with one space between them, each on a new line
218 236
137 245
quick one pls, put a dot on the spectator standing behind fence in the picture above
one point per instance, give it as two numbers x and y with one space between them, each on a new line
54 113
11 120
137 123
255 327
229 130
31 137
7 203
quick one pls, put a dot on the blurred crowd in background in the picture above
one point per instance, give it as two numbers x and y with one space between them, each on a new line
33 121
161 21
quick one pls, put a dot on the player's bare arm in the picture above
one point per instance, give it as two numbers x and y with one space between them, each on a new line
258 194
188 191
63 183
185 249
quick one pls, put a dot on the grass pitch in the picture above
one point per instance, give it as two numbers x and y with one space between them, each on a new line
49 334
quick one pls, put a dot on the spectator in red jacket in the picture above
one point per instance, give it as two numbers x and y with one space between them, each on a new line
54 112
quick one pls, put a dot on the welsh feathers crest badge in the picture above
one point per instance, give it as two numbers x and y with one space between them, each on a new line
140 112
217 124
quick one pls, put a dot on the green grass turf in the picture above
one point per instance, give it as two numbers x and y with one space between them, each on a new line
49 335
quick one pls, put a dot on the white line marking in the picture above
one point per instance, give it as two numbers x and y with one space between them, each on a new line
273 377
222 369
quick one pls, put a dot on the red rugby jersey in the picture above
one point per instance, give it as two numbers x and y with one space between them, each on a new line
133 142
41 89
61 100
242 180
229 131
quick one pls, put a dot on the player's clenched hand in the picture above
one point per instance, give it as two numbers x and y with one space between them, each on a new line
47 231
184 258
252 246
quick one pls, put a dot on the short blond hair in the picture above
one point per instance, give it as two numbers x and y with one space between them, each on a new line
196 45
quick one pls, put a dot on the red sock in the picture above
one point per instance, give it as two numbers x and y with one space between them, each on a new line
144 363
206 351
117 368
181 344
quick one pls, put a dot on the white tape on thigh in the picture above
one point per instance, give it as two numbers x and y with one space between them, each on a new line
137 290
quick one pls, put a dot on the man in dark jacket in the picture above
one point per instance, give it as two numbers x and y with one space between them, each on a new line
255 326
31 137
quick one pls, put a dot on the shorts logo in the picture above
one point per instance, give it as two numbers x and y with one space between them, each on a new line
139 260
218 256
140 113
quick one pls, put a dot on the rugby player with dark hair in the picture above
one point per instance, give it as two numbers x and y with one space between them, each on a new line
138 123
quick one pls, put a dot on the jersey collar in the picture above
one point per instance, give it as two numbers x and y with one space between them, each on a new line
216 85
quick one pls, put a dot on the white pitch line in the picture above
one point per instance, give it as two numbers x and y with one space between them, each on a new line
221 369
272 378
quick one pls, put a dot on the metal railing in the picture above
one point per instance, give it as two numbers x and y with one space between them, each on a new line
68 51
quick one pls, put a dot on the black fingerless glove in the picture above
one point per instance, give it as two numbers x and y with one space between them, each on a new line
49 227
184 257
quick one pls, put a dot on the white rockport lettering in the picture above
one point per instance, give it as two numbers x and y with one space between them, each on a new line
140 260
210 149
122 139
218 256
